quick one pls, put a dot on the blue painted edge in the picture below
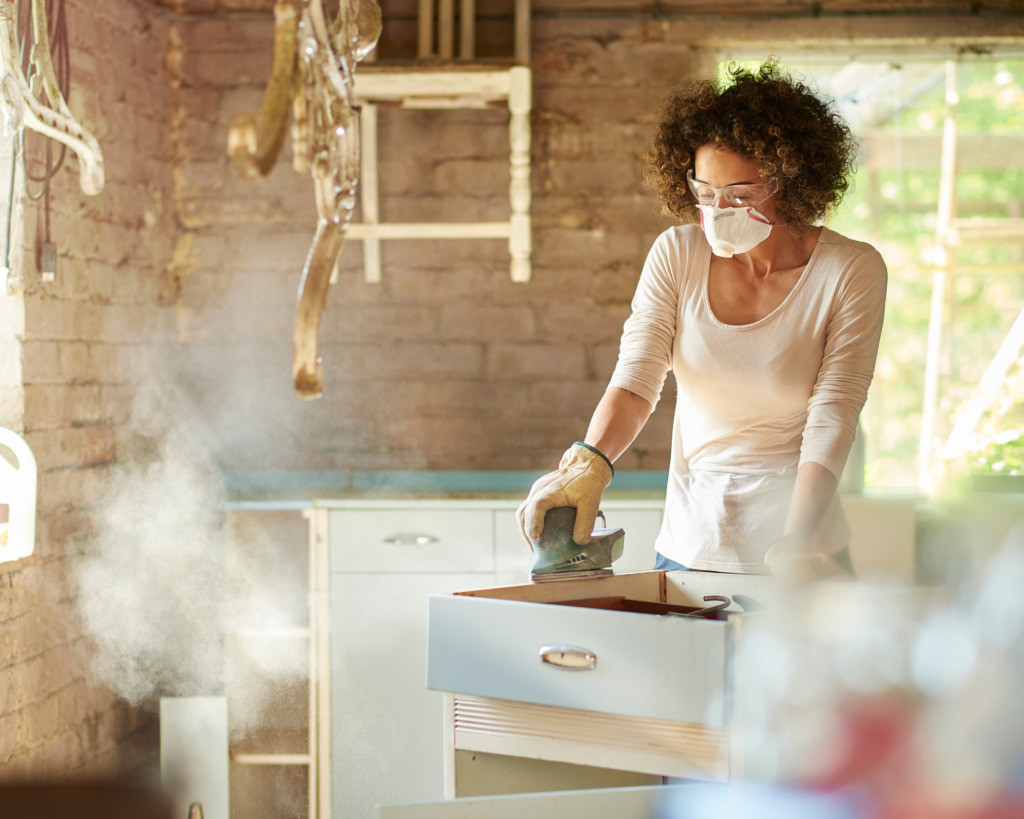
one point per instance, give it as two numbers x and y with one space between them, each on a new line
479 481
268 505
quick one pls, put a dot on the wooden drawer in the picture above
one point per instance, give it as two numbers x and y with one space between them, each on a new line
412 540
487 644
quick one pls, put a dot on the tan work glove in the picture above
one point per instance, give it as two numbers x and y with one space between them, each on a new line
581 478
792 560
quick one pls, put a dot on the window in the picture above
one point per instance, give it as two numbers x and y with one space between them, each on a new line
954 253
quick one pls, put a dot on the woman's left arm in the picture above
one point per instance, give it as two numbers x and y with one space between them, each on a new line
814 495
848 364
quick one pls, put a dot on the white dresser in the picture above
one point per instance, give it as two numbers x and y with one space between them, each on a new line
386 558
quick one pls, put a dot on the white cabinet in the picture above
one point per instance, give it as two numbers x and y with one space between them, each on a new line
387 727
386 558
385 562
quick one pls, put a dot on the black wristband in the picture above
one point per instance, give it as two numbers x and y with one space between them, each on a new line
597 452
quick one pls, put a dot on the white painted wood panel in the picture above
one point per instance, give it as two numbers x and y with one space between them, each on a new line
387 727
385 541
430 230
194 753
668 668
382 84
590 738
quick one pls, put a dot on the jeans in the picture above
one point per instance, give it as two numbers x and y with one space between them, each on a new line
664 564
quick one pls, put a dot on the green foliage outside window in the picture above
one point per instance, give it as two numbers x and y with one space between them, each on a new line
895 209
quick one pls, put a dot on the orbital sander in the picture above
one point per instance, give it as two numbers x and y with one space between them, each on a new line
556 556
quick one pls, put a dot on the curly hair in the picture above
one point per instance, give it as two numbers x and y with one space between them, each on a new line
764 115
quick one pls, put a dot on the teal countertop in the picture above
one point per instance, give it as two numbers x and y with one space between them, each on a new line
285 485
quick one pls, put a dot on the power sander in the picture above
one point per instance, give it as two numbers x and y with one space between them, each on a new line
556 556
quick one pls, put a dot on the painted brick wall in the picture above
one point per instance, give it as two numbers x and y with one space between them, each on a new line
70 367
446 364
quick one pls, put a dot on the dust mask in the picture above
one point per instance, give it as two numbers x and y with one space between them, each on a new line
733 230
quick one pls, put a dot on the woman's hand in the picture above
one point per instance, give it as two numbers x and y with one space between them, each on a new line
584 474
581 478
799 556
791 560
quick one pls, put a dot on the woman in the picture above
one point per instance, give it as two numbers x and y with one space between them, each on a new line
769 323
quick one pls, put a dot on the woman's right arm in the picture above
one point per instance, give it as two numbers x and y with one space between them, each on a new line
645 356
617 421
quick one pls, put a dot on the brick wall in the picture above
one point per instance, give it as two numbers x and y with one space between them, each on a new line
70 366
446 364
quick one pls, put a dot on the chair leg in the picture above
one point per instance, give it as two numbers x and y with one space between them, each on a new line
426 29
522 32
446 29
369 196
520 243
467 30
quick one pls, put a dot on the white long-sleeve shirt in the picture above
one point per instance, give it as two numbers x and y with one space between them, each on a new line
755 401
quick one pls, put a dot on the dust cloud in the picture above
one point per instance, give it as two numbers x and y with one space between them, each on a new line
171 597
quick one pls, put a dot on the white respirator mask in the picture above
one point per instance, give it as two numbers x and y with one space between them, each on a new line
737 228
733 230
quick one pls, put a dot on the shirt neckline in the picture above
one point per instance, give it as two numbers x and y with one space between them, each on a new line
792 293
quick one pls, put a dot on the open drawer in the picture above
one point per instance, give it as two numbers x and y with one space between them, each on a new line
591 677
517 643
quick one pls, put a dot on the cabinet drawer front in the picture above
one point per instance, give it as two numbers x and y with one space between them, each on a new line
669 668
410 540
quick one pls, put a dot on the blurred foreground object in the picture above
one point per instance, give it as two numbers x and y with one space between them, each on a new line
82 800
311 87
18 495
762 802
911 696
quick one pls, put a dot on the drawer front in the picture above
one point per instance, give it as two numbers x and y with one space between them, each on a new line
411 540
668 668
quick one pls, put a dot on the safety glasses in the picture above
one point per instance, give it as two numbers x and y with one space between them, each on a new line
736 196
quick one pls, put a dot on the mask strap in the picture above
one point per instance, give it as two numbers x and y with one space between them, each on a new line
757 217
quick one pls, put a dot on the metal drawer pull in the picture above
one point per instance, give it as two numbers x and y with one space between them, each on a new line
412 540
568 658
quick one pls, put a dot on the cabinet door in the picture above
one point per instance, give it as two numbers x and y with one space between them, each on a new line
513 556
387 737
